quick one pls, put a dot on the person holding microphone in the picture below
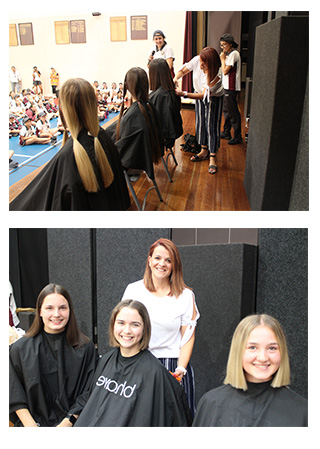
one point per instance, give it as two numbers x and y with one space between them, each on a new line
161 50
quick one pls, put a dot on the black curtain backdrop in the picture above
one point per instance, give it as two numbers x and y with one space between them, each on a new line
28 264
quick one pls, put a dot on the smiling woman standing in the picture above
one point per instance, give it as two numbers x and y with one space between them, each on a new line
51 365
172 309
161 50
256 392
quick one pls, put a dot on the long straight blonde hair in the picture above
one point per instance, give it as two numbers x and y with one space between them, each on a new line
78 110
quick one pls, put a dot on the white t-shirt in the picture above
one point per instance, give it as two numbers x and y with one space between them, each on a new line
165 53
167 315
232 80
25 132
200 79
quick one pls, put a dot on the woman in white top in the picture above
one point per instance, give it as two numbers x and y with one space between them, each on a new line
161 50
172 309
208 94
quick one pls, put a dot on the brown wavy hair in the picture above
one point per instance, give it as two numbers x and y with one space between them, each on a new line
176 277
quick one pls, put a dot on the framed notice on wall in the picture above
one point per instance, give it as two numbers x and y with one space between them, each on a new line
61 30
139 27
26 33
78 31
13 37
118 29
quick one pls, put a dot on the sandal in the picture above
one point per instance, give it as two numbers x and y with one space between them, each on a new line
212 168
197 158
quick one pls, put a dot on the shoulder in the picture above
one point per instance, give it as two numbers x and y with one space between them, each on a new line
193 63
187 294
218 395
291 396
136 284
25 346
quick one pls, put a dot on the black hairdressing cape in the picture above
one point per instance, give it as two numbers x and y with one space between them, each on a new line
133 392
46 375
59 187
134 144
168 106
260 406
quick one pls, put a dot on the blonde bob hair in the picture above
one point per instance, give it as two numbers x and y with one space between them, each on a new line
78 110
141 309
235 373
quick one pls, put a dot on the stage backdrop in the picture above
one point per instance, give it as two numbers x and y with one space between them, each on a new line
230 281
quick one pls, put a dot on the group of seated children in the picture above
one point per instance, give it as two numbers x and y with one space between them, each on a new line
109 99
29 117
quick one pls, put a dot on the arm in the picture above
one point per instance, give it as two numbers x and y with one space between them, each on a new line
66 422
180 74
225 68
192 95
170 62
25 417
187 348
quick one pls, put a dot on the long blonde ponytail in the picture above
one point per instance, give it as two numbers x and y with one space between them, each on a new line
79 109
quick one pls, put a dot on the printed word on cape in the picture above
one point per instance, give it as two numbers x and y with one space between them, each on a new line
113 387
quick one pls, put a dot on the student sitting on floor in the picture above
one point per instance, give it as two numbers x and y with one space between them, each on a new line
28 134
43 128
17 108
14 126
52 108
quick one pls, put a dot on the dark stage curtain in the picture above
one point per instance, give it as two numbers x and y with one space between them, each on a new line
189 47
28 264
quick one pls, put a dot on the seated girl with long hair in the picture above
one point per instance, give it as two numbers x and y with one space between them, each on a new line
86 174
51 365
166 101
137 134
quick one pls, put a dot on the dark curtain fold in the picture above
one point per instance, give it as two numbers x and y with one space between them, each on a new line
28 264
188 51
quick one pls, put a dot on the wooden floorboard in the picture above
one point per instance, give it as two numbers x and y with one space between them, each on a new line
193 188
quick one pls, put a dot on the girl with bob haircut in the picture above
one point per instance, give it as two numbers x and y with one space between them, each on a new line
255 391
86 174
209 92
130 387
137 134
51 365
142 311
167 103
172 309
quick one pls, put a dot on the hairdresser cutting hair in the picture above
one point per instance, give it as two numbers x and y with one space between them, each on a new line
161 50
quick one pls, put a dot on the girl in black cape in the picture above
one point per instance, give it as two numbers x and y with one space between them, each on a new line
86 173
166 101
255 391
137 134
131 387
51 365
